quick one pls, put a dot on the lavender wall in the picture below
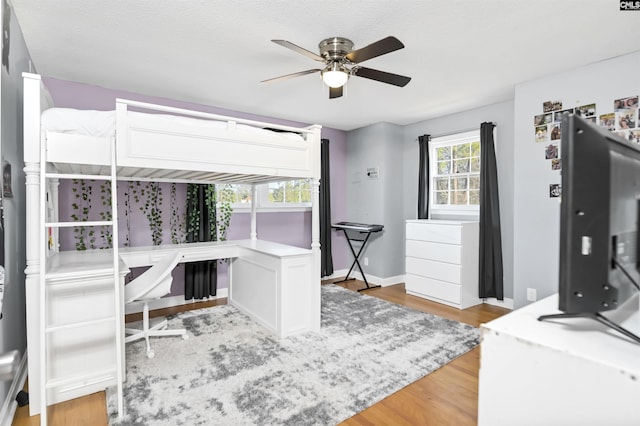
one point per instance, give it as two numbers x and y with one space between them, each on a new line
288 228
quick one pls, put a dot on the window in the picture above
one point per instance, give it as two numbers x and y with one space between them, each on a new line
455 172
293 194
235 194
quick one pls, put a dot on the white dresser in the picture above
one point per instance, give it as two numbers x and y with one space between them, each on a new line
442 261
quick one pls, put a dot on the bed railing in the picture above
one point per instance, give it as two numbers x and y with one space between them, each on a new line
210 116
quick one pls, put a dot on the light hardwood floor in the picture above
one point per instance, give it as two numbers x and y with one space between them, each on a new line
448 396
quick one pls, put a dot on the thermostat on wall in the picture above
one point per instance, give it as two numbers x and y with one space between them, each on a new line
372 172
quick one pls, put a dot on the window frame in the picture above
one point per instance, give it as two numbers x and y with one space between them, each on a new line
442 141
264 205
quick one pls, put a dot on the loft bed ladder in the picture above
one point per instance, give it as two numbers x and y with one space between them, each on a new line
47 284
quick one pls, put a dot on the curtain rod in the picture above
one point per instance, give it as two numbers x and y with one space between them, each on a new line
458 131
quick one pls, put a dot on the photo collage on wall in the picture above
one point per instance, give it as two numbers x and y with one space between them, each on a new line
624 121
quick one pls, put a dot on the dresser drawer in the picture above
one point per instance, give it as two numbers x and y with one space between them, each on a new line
449 253
432 288
450 234
432 269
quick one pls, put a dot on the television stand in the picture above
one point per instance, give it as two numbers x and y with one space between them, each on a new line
597 317
547 373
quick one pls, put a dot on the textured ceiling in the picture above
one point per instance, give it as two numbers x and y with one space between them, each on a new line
460 53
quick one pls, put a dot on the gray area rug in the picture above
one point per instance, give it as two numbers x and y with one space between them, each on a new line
232 372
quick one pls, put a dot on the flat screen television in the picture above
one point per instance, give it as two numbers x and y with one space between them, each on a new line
599 265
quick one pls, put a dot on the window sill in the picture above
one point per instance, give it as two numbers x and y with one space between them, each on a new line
455 214
295 209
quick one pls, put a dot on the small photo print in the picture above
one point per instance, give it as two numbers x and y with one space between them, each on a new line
555 132
634 136
551 151
625 119
624 134
554 190
625 103
557 116
586 110
556 164
541 119
608 121
551 106
541 133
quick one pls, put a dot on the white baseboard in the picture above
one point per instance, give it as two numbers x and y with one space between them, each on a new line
506 303
372 279
10 405
171 301
336 274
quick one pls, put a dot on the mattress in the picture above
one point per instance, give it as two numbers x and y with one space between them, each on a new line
103 123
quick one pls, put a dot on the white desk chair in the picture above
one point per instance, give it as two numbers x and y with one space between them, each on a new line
154 283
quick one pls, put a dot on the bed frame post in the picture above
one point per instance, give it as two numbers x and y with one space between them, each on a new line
31 146
253 234
54 184
315 228
31 131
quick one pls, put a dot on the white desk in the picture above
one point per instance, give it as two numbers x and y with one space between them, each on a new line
272 283
564 372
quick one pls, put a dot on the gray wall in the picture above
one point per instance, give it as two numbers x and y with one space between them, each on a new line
377 200
537 215
530 218
502 114
13 324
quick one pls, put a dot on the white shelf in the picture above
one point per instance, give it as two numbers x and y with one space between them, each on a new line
79 224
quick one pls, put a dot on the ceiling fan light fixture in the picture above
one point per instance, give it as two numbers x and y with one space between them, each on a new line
335 75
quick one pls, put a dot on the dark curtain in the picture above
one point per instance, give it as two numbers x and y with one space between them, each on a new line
490 267
201 278
326 262
423 177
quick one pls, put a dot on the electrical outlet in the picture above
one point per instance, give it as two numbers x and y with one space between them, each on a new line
532 295
366 261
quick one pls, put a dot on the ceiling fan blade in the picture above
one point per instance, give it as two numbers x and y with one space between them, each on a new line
384 77
296 48
335 92
295 74
380 47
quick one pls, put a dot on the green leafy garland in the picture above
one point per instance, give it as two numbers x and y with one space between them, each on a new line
219 210
225 198
105 198
176 223
81 207
149 198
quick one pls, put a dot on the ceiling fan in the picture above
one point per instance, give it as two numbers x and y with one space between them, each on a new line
341 61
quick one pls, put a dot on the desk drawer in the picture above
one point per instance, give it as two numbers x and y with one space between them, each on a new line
450 234
432 288
437 270
448 253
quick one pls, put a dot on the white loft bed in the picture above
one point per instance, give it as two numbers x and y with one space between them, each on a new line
279 286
